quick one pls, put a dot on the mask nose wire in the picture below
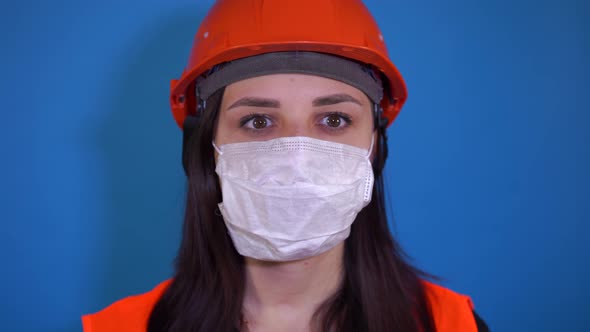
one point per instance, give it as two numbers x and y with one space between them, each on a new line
216 148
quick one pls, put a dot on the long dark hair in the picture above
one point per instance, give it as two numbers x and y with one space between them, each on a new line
380 292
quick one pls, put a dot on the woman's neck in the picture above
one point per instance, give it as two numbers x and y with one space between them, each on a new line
285 295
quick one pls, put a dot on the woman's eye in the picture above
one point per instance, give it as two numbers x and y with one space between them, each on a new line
255 122
335 121
259 122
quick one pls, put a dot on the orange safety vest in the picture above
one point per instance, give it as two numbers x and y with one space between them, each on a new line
452 312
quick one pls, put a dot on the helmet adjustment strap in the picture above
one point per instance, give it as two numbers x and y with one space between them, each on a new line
189 126
380 122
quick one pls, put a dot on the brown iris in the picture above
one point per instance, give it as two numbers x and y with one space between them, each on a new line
259 122
333 120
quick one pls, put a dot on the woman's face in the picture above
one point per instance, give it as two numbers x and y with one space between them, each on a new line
280 105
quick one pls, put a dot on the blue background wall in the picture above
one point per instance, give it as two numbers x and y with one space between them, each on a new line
488 172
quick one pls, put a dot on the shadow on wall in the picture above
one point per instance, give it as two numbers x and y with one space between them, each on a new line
142 145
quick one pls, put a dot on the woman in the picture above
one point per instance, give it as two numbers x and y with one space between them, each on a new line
284 106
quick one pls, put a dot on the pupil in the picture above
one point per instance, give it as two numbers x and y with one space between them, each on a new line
259 123
334 121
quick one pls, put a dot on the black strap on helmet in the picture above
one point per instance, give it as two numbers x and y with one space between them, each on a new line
189 126
379 120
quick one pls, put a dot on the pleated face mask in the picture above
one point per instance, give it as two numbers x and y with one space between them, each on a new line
291 198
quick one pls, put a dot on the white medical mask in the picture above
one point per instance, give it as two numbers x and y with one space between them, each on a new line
291 198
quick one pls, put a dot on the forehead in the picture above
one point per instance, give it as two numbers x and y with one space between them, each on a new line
291 86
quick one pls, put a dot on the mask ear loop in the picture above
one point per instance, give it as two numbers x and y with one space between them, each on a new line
216 148
371 146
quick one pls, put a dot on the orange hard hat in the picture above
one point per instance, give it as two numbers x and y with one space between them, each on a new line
235 29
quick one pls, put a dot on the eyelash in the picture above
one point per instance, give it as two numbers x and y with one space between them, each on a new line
248 118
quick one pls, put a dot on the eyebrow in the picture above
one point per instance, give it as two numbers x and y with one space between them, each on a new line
273 103
335 99
256 102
